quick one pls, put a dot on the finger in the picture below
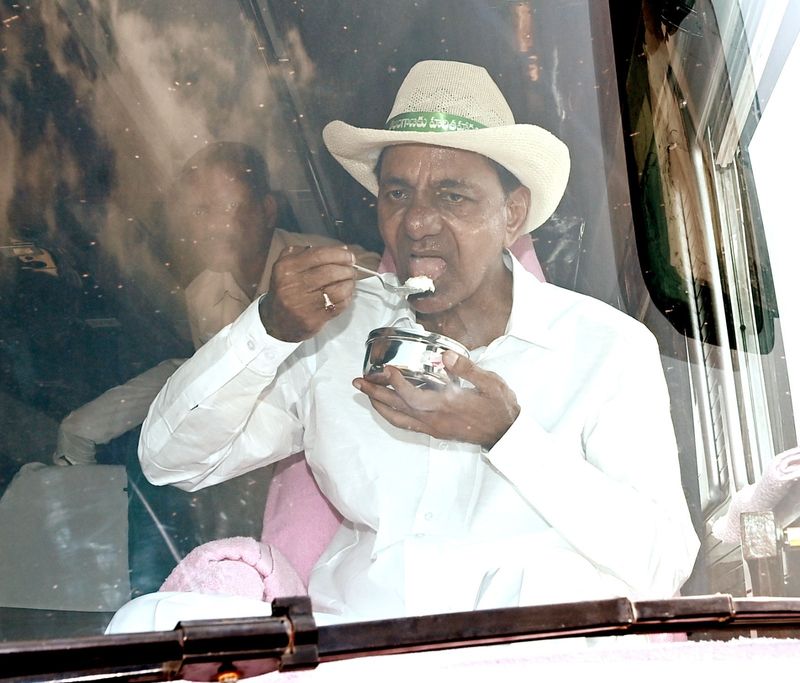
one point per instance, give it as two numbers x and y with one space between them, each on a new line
295 294
296 261
413 396
289 251
378 393
322 277
309 309
379 377
463 367
293 249
314 257
399 418
339 295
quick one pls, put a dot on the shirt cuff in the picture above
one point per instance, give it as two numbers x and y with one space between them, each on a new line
528 455
251 344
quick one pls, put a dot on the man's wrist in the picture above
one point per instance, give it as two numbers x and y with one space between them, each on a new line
263 313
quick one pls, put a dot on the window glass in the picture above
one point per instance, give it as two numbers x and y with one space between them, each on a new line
774 190
705 118
156 153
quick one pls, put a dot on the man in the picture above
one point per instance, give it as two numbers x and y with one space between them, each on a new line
550 475
224 237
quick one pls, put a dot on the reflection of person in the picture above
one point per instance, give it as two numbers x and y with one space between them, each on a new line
224 223
553 476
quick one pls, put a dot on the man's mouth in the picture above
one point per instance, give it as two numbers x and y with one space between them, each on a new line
428 266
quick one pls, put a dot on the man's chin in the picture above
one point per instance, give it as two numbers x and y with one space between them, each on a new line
220 263
428 303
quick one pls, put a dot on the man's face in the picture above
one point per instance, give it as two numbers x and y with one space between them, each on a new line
222 223
443 213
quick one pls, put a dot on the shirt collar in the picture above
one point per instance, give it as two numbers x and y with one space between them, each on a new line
531 310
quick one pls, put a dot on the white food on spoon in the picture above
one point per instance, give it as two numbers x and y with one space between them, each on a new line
419 284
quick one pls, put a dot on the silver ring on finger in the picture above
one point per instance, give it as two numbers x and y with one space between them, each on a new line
328 305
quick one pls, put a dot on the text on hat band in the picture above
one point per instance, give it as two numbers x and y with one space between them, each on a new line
431 122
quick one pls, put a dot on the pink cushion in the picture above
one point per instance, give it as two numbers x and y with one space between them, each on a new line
298 519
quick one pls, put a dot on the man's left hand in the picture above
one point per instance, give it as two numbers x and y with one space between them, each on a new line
480 414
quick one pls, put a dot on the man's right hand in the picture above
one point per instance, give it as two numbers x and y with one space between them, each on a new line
295 309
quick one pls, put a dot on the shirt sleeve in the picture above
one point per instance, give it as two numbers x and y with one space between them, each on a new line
227 410
617 496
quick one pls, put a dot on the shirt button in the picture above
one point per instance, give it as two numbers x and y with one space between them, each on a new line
442 445
428 516
251 344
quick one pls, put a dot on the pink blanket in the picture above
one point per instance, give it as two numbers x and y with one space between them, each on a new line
236 566
778 483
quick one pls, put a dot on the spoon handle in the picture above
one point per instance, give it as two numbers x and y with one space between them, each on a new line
366 270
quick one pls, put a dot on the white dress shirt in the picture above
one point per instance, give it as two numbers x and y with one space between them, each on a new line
580 499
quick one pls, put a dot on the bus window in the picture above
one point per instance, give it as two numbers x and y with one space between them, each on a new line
161 155
706 99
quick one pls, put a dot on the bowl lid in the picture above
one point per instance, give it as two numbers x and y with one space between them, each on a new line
405 334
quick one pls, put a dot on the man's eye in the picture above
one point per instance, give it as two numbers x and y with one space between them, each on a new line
397 195
452 197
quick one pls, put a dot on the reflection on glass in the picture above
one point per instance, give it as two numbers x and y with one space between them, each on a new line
126 244
698 82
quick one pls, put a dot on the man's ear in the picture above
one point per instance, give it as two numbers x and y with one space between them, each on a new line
518 203
270 210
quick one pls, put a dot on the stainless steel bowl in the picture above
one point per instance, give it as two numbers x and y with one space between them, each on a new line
417 355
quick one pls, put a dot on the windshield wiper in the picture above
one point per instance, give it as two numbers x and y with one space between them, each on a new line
230 649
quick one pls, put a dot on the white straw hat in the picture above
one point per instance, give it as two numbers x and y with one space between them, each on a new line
452 104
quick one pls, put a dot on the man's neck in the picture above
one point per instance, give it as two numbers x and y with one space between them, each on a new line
479 320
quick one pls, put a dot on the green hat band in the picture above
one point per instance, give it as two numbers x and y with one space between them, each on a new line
431 122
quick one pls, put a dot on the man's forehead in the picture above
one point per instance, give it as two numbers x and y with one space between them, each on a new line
441 162
220 173
197 182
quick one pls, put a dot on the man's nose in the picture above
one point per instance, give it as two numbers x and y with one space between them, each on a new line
219 223
421 220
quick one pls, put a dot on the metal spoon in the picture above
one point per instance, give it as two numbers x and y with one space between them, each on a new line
401 290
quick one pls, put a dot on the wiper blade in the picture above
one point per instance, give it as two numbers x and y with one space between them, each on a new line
232 648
